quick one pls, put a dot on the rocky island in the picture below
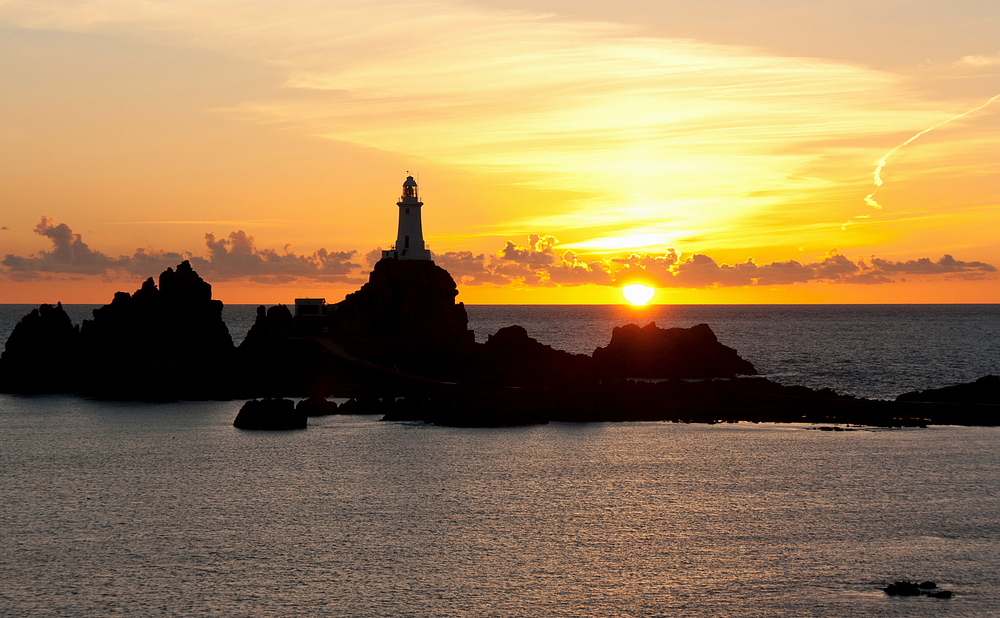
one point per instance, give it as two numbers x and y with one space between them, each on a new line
400 346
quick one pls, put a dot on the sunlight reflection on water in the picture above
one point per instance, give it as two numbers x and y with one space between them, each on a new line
167 510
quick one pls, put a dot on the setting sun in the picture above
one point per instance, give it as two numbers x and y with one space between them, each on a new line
638 294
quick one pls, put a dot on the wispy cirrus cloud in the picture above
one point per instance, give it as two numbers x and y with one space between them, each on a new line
645 131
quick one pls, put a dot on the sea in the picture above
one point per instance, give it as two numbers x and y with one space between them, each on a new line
168 510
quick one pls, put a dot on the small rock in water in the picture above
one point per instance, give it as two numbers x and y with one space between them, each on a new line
903 588
316 406
913 589
272 414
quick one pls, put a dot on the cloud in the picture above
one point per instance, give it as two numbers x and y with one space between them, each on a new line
924 266
229 258
605 110
535 263
980 60
538 263
469 269
570 270
536 254
238 257
69 254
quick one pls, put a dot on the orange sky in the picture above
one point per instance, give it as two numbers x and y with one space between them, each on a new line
563 149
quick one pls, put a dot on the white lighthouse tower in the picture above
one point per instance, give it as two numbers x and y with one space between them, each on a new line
410 237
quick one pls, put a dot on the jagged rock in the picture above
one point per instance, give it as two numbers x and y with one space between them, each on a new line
271 325
652 352
274 360
399 332
42 353
316 406
271 414
159 343
405 318
512 358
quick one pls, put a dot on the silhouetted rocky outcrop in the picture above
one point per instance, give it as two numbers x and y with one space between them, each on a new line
912 589
276 360
316 406
652 352
400 332
270 414
400 347
512 358
272 324
985 390
42 354
700 401
975 403
272 363
159 343
405 318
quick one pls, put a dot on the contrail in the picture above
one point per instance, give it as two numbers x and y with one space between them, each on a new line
870 198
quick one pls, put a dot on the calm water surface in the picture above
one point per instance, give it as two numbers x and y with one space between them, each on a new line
138 509
169 510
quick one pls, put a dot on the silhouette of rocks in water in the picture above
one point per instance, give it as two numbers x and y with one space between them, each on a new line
316 406
161 343
405 318
985 390
974 403
512 358
270 414
913 589
274 360
399 333
652 352
42 353
478 404
389 345
472 404
271 362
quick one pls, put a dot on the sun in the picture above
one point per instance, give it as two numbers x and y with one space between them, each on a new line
638 294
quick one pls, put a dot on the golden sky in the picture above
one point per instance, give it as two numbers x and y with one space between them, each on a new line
763 151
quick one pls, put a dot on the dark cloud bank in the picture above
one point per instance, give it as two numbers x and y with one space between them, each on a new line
237 257
233 257
537 263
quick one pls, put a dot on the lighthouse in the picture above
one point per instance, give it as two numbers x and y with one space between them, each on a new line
410 236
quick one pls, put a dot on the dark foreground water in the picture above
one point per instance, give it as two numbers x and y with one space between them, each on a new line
157 510
167 510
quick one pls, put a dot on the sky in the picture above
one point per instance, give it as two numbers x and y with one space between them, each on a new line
726 151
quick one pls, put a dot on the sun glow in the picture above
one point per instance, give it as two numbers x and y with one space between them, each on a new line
638 294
